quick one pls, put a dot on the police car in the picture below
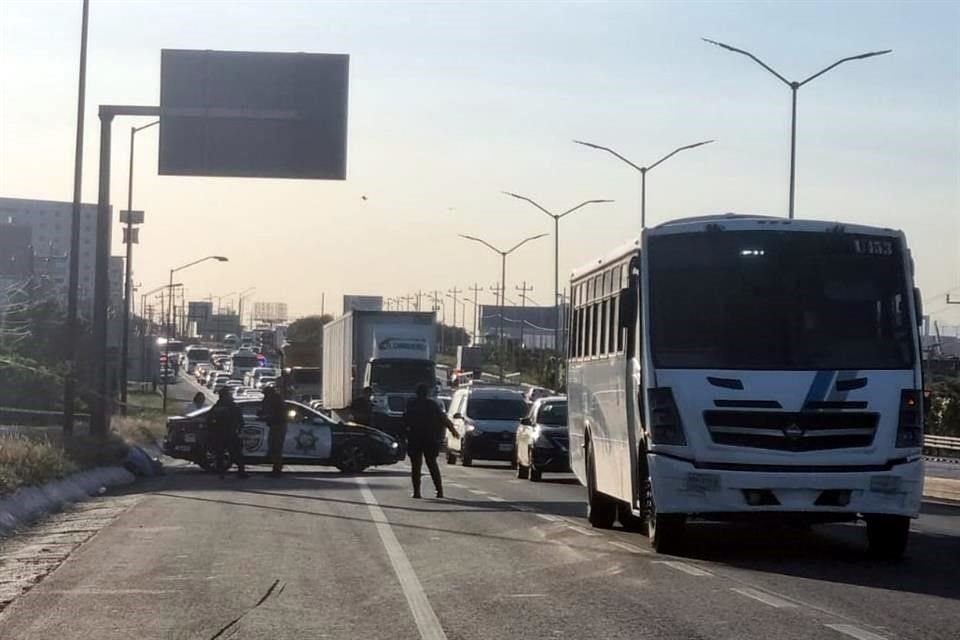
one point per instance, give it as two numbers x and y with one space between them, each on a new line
312 439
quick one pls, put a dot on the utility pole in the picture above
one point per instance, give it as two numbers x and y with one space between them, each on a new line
523 303
419 296
435 298
73 324
476 310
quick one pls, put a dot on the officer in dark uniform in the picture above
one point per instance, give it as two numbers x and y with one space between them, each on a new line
274 412
424 422
361 408
224 423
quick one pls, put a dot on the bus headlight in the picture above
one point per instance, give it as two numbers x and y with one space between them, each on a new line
666 426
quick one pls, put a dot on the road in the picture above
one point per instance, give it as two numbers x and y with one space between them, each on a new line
317 554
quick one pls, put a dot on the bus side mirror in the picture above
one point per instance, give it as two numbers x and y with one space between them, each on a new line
628 307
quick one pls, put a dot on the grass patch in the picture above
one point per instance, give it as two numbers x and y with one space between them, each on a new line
145 401
34 459
147 428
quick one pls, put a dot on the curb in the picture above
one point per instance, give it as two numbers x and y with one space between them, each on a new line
28 503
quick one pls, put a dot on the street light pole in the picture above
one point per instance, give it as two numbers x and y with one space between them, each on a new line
643 170
794 87
73 292
128 267
166 346
503 281
556 252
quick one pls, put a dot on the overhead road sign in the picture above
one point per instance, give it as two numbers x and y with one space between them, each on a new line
253 114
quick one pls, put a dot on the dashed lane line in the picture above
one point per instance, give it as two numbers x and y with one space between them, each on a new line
689 569
496 498
582 531
548 517
632 548
765 598
855 632
423 615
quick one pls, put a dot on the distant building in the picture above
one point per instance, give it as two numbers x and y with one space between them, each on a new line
49 222
269 312
16 251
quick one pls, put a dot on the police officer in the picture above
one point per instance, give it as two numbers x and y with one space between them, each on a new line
274 412
224 422
424 422
361 408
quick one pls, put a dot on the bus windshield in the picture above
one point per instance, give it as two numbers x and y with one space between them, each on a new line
778 300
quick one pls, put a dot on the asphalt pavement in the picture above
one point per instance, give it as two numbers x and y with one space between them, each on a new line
318 554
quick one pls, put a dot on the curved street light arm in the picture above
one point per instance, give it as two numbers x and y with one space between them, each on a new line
839 62
676 151
190 264
482 242
523 242
146 126
751 56
609 150
581 205
530 200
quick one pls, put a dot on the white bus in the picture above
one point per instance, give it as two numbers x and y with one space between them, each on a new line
743 366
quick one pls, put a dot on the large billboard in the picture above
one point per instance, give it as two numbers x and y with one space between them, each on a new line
253 114
362 303
272 312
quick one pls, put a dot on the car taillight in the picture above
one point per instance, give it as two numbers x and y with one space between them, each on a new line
666 426
910 424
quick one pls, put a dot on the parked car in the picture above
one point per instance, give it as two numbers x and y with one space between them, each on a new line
486 418
312 438
543 440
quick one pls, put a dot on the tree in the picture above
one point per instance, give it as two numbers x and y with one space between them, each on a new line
305 336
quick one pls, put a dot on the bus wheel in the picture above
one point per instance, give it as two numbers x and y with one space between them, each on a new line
887 535
601 509
664 529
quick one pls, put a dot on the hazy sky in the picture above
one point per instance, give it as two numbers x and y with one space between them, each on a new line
450 103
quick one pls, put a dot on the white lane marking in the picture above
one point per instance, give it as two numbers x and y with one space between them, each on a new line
765 598
527 595
855 632
686 568
626 546
548 517
478 492
496 498
423 614
582 531
457 485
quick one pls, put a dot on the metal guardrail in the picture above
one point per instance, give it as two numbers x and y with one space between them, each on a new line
945 446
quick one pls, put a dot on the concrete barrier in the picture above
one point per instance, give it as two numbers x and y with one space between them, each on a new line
29 503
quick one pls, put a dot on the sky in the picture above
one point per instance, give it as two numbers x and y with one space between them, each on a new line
452 103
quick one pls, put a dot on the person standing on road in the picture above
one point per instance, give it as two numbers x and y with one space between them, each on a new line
224 422
274 412
362 407
424 422
199 402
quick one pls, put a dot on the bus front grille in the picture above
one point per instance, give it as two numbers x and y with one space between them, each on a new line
792 431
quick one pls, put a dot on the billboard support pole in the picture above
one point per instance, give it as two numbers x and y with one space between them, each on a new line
100 416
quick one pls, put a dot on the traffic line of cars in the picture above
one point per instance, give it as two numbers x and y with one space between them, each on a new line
505 424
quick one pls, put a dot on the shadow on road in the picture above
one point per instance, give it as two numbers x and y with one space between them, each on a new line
833 553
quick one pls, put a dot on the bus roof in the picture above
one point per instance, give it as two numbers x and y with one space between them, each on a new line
733 221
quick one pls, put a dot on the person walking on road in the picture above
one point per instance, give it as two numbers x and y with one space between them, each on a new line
424 422
274 412
224 422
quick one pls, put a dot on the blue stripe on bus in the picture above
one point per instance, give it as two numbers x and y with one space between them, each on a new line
819 387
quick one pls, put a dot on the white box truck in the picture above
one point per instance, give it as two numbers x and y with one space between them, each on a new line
392 352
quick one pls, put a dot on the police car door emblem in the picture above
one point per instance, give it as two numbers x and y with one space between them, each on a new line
306 441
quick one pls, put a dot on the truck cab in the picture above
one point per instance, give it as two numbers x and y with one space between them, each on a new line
394 381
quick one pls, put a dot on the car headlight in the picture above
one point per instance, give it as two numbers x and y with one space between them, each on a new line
394 445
